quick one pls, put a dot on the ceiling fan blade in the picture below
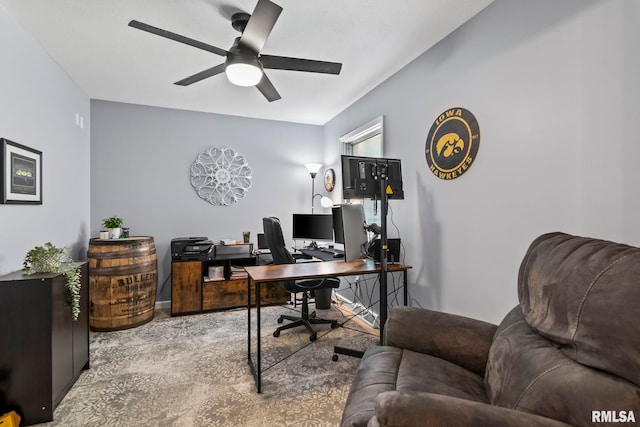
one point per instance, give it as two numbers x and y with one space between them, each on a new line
298 64
260 24
267 89
209 72
177 37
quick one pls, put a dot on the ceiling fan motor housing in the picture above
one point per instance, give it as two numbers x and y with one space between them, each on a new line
239 21
241 54
238 56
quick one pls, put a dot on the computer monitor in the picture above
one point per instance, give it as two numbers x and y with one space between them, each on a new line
338 227
393 250
360 177
262 241
348 220
313 227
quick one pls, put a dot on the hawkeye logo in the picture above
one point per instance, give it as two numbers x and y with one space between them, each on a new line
452 144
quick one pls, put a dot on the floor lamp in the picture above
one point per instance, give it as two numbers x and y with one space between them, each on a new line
313 169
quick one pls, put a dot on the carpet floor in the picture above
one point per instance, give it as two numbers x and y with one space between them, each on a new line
192 371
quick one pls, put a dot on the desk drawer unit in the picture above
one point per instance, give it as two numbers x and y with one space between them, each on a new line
192 292
233 293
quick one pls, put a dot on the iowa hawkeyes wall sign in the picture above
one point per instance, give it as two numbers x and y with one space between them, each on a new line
452 144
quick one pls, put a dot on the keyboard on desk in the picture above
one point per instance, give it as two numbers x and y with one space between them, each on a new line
337 253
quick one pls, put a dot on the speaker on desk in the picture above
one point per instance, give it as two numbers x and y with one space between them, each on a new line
394 250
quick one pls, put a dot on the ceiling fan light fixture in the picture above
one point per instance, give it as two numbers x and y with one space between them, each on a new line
243 71
244 60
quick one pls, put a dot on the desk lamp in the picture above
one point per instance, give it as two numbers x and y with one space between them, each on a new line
313 169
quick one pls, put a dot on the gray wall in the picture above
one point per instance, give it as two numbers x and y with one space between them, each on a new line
552 84
141 158
555 90
38 109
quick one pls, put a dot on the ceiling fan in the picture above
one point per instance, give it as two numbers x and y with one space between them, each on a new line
244 64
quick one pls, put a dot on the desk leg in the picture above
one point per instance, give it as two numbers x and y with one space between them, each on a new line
406 291
256 369
259 348
249 322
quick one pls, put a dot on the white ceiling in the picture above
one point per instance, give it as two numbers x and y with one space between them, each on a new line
109 60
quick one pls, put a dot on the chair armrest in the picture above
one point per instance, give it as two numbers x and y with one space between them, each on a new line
457 339
398 408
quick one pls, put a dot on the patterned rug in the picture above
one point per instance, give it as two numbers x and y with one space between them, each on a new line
192 371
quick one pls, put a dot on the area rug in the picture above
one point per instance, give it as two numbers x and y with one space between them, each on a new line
192 371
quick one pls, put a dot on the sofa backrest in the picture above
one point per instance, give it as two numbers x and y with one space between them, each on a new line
584 295
572 345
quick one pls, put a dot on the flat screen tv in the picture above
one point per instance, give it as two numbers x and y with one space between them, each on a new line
361 177
313 227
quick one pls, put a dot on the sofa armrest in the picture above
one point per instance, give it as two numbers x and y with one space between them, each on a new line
398 408
457 339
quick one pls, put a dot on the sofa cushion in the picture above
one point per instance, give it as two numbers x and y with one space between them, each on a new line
528 372
460 340
385 368
420 372
397 408
377 372
583 294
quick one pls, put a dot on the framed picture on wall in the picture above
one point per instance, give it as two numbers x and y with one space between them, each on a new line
21 174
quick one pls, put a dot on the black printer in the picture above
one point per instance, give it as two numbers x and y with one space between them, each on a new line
190 248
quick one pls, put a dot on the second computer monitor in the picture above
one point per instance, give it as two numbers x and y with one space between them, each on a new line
313 227
348 225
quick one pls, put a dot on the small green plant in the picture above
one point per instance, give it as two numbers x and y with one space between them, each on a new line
112 222
51 259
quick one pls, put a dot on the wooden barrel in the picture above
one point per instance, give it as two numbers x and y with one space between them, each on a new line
122 282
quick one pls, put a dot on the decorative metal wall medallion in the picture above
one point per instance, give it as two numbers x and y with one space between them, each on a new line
221 176
452 144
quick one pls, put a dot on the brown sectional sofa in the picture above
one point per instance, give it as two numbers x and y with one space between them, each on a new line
568 354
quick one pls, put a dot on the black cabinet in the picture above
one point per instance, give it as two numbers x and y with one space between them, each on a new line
43 350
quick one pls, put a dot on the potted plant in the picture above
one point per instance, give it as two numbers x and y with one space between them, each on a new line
51 259
114 226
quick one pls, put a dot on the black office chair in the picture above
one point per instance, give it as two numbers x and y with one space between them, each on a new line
280 255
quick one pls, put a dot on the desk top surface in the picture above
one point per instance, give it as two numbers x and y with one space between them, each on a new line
307 270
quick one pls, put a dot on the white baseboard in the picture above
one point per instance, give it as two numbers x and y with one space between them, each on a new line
162 305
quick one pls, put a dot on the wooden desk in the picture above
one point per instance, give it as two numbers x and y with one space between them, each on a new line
310 270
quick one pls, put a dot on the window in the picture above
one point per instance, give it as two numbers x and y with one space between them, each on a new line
365 141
